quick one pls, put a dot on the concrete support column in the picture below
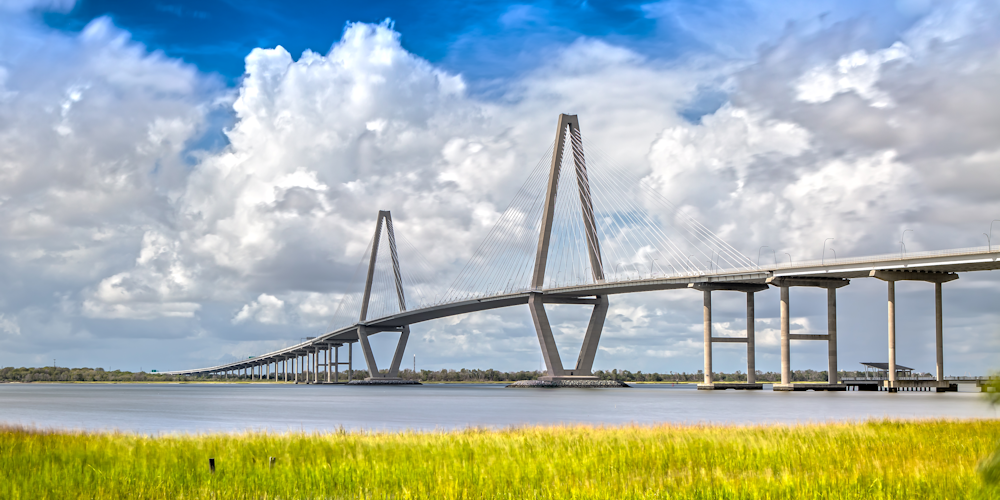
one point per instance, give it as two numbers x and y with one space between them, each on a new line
831 332
751 350
786 362
316 366
295 368
326 355
366 350
350 361
939 332
892 335
336 363
546 341
707 314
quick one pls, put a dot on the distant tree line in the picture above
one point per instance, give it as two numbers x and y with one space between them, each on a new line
59 374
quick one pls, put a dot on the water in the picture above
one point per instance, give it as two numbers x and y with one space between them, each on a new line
193 408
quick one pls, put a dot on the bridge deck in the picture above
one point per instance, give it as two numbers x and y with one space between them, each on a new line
949 261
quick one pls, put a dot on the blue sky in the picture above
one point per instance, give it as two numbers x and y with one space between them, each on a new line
177 190
484 41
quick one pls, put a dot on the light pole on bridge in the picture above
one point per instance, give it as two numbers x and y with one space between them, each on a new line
989 237
758 254
822 259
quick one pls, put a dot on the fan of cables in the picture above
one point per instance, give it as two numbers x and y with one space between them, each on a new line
400 282
640 234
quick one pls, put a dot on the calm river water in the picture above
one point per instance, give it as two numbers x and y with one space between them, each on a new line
162 408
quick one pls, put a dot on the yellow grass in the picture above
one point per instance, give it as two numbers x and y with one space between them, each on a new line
877 459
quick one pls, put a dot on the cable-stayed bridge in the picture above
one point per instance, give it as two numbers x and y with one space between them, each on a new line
578 231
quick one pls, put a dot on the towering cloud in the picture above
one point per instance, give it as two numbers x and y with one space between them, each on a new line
119 224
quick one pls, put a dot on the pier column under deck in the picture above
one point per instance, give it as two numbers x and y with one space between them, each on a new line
892 336
890 277
751 361
786 362
316 366
939 333
831 332
830 284
350 361
707 315
326 356
708 372
336 363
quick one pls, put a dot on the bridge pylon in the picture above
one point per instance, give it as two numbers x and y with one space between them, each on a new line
365 331
536 302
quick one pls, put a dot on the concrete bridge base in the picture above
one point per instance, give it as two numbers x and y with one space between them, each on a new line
808 387
578 383
727 385
384 381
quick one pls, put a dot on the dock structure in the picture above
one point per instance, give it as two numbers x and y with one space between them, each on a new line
876 378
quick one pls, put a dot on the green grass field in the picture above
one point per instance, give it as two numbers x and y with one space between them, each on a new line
878 459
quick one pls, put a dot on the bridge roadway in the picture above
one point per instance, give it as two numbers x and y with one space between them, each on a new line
921 264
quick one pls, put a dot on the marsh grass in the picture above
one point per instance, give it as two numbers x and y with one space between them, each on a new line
876 459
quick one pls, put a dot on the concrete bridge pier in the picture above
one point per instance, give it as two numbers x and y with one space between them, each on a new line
581 374
893 384
363 331
749 289
831 285
373 372
555 370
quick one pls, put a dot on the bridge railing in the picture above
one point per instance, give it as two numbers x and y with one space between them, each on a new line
871 259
